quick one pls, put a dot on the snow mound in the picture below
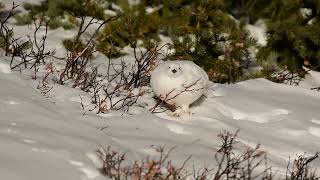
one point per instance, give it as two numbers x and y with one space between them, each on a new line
58 138
5 68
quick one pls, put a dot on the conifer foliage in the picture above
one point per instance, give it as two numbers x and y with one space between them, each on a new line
201 31
292 29
211 33
134 24
62 13
214 40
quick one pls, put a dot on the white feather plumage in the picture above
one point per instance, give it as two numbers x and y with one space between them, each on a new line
179 83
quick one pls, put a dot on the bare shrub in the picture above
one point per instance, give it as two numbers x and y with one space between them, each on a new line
119 88
79 53
144 64
249 164
32 52
124 82
301 168
6 32
114 96
315 88
114 166
44 85
287 77
230 164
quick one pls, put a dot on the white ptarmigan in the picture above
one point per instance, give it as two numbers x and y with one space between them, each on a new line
179 83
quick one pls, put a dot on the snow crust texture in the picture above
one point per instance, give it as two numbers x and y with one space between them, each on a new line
52 139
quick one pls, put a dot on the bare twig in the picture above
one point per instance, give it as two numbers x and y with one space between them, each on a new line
36 54
6 33
163 100
76 61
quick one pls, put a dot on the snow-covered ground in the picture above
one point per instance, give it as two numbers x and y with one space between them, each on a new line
50 138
